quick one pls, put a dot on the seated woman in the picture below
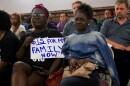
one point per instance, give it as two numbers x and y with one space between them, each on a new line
8 47
27 72
86 45
16 27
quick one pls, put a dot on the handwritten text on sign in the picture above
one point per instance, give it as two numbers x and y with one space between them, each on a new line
46 48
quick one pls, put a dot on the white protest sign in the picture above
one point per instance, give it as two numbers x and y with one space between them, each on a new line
42 48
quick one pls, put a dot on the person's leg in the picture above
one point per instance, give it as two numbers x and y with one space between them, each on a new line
36 80
122 62
20 74
123 71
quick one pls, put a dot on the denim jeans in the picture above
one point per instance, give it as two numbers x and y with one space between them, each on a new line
79 81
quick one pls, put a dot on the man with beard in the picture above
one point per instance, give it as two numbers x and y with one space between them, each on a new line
117 32
24 70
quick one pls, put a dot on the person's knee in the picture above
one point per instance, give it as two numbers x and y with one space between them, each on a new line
65 82
21 67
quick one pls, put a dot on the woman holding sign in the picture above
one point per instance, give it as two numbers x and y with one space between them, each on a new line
85 50
24 70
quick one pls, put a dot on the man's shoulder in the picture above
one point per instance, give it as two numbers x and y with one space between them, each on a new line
110 20
70 22
69 25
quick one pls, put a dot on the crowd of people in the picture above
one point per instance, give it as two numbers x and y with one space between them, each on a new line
86 40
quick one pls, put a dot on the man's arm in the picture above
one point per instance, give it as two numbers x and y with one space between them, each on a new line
116 45
128 48
104 30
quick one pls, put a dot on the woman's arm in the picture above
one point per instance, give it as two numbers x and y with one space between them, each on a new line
3 64
43 72
55 65
21 52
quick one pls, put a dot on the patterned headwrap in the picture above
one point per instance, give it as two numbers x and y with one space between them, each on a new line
42 7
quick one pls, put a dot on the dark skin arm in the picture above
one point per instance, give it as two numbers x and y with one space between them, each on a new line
3 64
55 65
21 51
53 68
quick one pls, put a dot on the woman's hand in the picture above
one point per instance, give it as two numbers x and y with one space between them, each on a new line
21 33
28 41
41 71
73 65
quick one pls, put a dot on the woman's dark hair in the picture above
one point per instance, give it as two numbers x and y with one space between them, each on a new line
5 23
86 9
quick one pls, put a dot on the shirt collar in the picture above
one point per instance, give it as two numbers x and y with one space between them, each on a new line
127 22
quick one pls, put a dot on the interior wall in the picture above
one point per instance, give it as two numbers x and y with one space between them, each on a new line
25 6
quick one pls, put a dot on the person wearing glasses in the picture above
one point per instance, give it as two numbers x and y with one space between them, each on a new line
27 72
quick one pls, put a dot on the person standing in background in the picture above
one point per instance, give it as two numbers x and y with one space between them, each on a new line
108 14
63 20
70 27
25 21
17 28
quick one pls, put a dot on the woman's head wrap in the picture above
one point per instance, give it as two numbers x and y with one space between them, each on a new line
43 8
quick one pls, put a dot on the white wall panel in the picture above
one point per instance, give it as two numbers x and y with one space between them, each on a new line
25 6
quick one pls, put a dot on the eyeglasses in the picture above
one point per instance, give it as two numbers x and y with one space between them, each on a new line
38 15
